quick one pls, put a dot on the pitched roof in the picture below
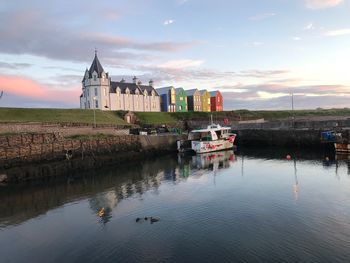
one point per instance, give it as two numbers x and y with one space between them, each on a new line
164 90
213 93
149 89
203 91
132 87
191 92
96 66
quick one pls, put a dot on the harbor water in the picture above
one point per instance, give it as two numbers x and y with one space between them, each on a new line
254 205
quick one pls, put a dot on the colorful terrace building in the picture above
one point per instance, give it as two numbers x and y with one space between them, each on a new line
194 100
181 100
216 101
205 100
167 99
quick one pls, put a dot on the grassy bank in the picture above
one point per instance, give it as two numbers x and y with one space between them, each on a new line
59 116
154 118
236 115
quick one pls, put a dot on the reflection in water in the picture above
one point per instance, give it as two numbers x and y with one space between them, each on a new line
296 183
240 218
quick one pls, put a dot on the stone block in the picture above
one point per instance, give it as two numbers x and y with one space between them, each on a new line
13 153
25 151
35 149
27 139
3 141
57 147
38 138
14 140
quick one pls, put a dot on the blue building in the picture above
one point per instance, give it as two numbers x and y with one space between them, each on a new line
167 99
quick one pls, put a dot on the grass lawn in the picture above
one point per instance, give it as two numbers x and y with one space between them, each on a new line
156 117
59 116
169 118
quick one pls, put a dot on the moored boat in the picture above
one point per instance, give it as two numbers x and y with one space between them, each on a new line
213 138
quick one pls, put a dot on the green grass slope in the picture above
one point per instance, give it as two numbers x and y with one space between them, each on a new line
59 116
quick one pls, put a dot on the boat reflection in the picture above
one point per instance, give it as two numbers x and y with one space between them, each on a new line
207 161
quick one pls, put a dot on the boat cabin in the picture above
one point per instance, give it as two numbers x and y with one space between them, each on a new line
212 133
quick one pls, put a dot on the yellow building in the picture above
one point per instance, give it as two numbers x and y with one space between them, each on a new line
205 100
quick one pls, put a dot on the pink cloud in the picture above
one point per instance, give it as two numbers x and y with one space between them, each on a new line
319 4
29 88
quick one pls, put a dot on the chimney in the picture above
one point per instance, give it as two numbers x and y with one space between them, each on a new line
151 83
134 79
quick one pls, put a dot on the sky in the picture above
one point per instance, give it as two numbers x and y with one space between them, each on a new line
256 52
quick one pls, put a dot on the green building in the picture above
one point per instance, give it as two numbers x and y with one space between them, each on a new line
181 100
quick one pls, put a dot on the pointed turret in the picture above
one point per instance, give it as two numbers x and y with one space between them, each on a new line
96 66
86 74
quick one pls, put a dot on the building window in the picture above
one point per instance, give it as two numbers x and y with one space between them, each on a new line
105 91
181 98
218 99
96 103
88 93
180 107
88 104
94 77
95 91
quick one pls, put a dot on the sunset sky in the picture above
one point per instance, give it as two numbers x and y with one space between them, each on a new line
257 52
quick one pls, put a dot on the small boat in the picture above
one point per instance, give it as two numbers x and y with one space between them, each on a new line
213 138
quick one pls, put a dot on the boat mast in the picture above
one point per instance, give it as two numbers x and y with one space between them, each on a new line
211 118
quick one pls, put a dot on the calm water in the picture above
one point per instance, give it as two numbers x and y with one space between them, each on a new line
254 206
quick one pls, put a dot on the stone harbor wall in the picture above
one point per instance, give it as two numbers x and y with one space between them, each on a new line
32 156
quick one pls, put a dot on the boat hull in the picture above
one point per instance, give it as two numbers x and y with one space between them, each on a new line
211 146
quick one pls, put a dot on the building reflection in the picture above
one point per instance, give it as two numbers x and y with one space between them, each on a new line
107 187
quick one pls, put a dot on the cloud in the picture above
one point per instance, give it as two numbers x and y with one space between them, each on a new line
254 73
277 96
320 4
338 32
182 2
6 65
257 43
181 64
262 16
309 26
25 87
168 22
30 32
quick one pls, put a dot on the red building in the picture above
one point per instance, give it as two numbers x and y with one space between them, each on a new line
216 101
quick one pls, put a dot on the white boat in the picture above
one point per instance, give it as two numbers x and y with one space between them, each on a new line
213 138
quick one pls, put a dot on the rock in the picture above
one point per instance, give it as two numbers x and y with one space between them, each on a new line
3 178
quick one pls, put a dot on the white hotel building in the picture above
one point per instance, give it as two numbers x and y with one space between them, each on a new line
99 92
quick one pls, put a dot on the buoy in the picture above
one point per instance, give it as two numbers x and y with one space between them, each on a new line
146 218
137 219
288 157
101 213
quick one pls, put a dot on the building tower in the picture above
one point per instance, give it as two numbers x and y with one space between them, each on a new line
95 87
